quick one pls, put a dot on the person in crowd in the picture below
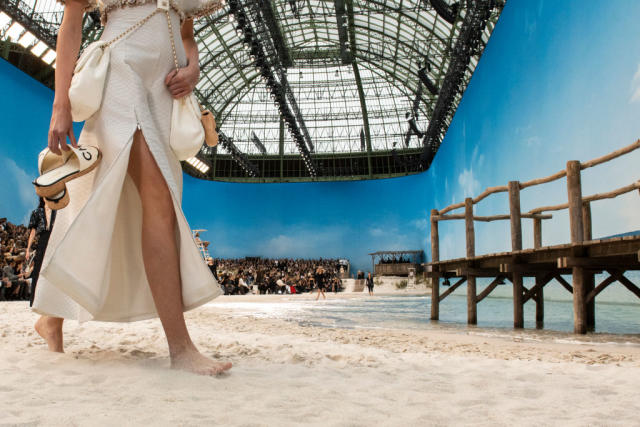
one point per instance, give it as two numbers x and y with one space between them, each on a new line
13 281
40 225
319 278
281 286
9 278
213 267
243 287
369 283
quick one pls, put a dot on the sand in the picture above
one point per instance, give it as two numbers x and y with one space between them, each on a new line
286 374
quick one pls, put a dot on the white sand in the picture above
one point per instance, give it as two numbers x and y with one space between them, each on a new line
285 374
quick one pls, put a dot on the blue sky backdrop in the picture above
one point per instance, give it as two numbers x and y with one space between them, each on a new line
559 80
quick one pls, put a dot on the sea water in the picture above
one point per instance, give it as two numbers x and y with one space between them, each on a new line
617 311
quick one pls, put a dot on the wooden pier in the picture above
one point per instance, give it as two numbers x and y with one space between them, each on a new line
582 258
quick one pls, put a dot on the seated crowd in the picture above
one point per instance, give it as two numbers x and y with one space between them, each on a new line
236 276
15 268
276 276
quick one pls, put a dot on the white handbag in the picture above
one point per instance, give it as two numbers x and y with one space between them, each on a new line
87 83
187 133
89 75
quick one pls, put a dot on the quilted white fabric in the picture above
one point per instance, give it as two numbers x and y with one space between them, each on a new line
93 266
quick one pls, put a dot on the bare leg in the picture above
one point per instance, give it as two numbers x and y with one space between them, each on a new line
160 254
50 328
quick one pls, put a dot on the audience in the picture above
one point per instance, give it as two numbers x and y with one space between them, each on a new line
274 276
14 268
236 276
395 260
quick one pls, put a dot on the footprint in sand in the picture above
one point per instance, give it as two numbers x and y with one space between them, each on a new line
334 357
297 358
97 379
139 354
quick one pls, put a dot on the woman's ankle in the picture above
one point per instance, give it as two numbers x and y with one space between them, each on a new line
177 350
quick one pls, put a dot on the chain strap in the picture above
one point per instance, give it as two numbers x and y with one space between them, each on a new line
173 48
131 29
173 44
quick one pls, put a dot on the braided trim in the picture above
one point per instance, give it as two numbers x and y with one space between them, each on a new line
207 8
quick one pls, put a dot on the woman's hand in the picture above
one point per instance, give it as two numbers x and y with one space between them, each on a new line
182 81
60 128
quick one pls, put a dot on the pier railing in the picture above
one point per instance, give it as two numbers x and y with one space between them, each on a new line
580 224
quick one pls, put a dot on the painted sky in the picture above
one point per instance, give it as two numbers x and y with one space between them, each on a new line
559 80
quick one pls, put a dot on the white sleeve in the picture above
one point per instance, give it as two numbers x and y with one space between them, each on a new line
198 8
89 4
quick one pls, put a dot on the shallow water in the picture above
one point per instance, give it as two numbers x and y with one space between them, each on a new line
617 313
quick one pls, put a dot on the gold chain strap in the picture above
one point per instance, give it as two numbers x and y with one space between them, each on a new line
130 29
173 44
173 48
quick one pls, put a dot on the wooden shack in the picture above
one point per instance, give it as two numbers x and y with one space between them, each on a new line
396 263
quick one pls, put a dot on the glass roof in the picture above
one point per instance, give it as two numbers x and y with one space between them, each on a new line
388 40
307 77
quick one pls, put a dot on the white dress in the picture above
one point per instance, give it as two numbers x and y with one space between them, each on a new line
93 266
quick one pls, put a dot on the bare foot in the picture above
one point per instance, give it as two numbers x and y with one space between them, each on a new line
194 361
50 329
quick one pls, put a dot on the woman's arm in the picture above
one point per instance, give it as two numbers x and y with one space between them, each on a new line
68 46
181 82
32 236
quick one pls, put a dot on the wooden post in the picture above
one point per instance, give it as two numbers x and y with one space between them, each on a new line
472 314
435 257
539 296
537 233
589 276
574 192
516 245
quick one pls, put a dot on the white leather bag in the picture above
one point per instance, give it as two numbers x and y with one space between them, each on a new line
187 133
89 75
87 83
